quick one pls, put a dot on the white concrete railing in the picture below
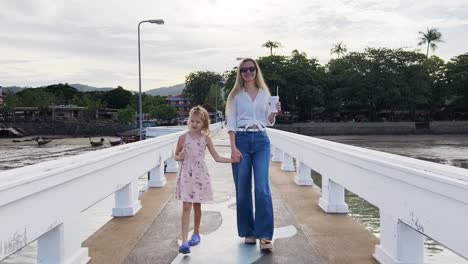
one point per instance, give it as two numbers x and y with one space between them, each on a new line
43 201
152 132
415 197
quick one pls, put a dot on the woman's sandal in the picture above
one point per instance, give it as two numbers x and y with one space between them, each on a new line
266 244
250 240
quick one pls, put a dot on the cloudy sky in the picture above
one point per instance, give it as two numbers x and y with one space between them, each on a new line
95 42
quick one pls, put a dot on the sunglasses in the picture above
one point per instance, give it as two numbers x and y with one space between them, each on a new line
246 69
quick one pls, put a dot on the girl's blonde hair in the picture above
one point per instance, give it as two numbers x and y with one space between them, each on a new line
205 117
239 84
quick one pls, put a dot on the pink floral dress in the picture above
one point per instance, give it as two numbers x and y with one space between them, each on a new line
193 181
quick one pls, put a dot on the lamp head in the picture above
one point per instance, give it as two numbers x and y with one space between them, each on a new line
156 21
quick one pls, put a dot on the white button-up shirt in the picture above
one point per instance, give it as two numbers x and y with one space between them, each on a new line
245 113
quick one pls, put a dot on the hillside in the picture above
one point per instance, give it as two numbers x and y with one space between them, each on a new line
87 88
79 87
162 91
165 91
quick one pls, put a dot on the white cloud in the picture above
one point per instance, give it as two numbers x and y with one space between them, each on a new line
95 42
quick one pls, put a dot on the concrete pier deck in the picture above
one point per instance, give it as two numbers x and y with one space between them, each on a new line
303 232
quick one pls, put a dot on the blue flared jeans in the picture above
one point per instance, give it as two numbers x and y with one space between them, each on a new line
255 149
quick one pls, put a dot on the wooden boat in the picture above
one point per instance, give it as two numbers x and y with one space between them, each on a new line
115 142
130 136
131 139
96 143
42 141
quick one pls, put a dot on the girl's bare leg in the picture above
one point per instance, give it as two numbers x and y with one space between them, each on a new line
186 208
196 218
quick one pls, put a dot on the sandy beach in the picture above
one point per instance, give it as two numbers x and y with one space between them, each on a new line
28 152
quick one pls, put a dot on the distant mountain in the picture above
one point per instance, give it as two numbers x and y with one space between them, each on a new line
162 91
13 89
87 88
165 91
79 87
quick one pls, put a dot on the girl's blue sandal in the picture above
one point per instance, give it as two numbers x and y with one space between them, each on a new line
194 240
184 248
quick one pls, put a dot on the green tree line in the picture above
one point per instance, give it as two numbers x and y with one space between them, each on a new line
375 84
63 94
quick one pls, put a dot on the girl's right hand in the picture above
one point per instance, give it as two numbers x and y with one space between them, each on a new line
236 155
181 154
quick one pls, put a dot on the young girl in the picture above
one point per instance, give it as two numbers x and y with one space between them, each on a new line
193 185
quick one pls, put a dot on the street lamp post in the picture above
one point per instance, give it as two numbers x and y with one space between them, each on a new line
221 84
140 101
216 106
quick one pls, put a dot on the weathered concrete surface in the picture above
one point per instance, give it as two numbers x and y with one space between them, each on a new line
311 236
338 238
113 242
220 243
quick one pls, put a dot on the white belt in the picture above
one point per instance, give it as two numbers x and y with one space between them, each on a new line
248 129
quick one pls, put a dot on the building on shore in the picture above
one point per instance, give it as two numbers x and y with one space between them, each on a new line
65 112
107 114
58 113
54 113
180 103
26 113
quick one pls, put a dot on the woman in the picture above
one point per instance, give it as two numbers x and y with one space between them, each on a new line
248 113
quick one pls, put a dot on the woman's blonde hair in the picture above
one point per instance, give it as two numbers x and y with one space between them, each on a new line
205 117
239 84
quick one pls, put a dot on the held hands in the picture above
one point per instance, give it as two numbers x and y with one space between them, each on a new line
181 155
236 155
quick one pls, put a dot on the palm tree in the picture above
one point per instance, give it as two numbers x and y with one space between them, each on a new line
429 37
271 45
339 49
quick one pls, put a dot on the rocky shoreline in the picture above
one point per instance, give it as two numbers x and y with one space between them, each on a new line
70 128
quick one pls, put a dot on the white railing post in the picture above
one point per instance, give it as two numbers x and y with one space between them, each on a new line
126 200
278 156
399 243
287 164
303 176
62 244
156 176
172 165
332 200
272 150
